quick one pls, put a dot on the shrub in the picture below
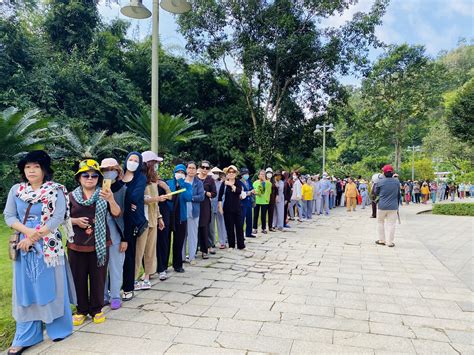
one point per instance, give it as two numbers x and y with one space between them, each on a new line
454 209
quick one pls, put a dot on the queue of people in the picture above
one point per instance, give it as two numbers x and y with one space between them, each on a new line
123 222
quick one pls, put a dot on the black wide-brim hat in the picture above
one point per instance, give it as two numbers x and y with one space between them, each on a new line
36 156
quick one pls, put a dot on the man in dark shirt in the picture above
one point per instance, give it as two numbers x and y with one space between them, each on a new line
388 192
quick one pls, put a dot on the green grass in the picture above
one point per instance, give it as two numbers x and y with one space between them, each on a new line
7 323
454 209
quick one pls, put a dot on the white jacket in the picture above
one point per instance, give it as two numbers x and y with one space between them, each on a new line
296 194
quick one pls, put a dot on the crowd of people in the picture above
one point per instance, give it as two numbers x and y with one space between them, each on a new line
424 191
123 224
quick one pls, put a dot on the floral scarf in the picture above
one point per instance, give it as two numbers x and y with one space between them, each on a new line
53 249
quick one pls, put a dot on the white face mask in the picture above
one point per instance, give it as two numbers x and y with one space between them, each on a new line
295 177
269 175
215 177
178 176
132 165
111 175
157 167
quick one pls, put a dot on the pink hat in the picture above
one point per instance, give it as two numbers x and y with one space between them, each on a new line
108 163
149 156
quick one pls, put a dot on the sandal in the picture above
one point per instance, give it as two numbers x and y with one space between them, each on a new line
379 242
127 296
17 349
391 245
99 318
205 256
78 319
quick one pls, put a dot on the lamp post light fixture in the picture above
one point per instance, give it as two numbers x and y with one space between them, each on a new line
326 128
137 10
413 149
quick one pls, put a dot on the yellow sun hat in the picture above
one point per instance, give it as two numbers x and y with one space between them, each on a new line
88 164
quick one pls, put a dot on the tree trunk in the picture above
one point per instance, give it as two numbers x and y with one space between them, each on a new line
398 155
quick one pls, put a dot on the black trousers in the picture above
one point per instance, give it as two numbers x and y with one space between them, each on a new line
285 218
163 245
374 209
271 209
338 198
203 238
129 266
234 228
179 234
89 280
257 209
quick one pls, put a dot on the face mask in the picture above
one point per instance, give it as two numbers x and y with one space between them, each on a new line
269 176
215 177
157 167
246 176
295 177
178 176
111 175
132 165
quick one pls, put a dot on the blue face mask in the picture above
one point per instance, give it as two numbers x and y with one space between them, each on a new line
246 176
112 175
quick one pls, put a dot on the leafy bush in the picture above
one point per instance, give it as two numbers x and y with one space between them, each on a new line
454 209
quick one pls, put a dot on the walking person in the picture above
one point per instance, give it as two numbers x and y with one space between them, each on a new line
217 218
205 211
351 193
247 203
388 191
296 197
146 242
134 218
179 213
231 189
43 288
112 171
279 215
88 252
263 189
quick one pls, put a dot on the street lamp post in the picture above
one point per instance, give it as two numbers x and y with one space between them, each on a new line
330 128
413 149
137 10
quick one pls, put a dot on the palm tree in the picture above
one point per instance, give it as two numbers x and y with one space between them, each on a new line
172 130
21 131
289 163
77 141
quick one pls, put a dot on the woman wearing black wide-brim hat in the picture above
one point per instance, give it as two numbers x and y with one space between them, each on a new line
42 281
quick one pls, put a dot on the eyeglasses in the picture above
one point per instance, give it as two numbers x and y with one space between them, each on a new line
231 172
89 176
205 167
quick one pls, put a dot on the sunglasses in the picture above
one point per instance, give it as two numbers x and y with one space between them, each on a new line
205 167
89 176
231 172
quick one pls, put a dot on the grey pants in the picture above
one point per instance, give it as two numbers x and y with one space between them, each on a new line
221 232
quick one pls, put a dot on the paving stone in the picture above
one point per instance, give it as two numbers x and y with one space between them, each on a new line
374 341
432 347
162 332
461 337
391 329
334 323
196 349
311 347
118 327
264 316
221 312
196 336
205 323
255 343
351 313
239 326
430 334
296 332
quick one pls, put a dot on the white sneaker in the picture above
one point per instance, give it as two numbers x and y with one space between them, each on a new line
163 276
192 262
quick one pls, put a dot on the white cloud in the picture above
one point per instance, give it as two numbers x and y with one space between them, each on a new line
339 20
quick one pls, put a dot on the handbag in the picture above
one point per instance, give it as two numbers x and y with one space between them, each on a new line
14 238
138 230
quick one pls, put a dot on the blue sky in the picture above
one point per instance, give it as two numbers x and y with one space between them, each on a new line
436 24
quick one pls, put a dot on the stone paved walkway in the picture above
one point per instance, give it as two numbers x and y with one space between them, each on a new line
322 287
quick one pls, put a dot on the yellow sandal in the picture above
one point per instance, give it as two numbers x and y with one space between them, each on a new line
99 318
78 319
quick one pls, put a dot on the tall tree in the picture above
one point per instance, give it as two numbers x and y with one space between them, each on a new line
274 49
398 95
